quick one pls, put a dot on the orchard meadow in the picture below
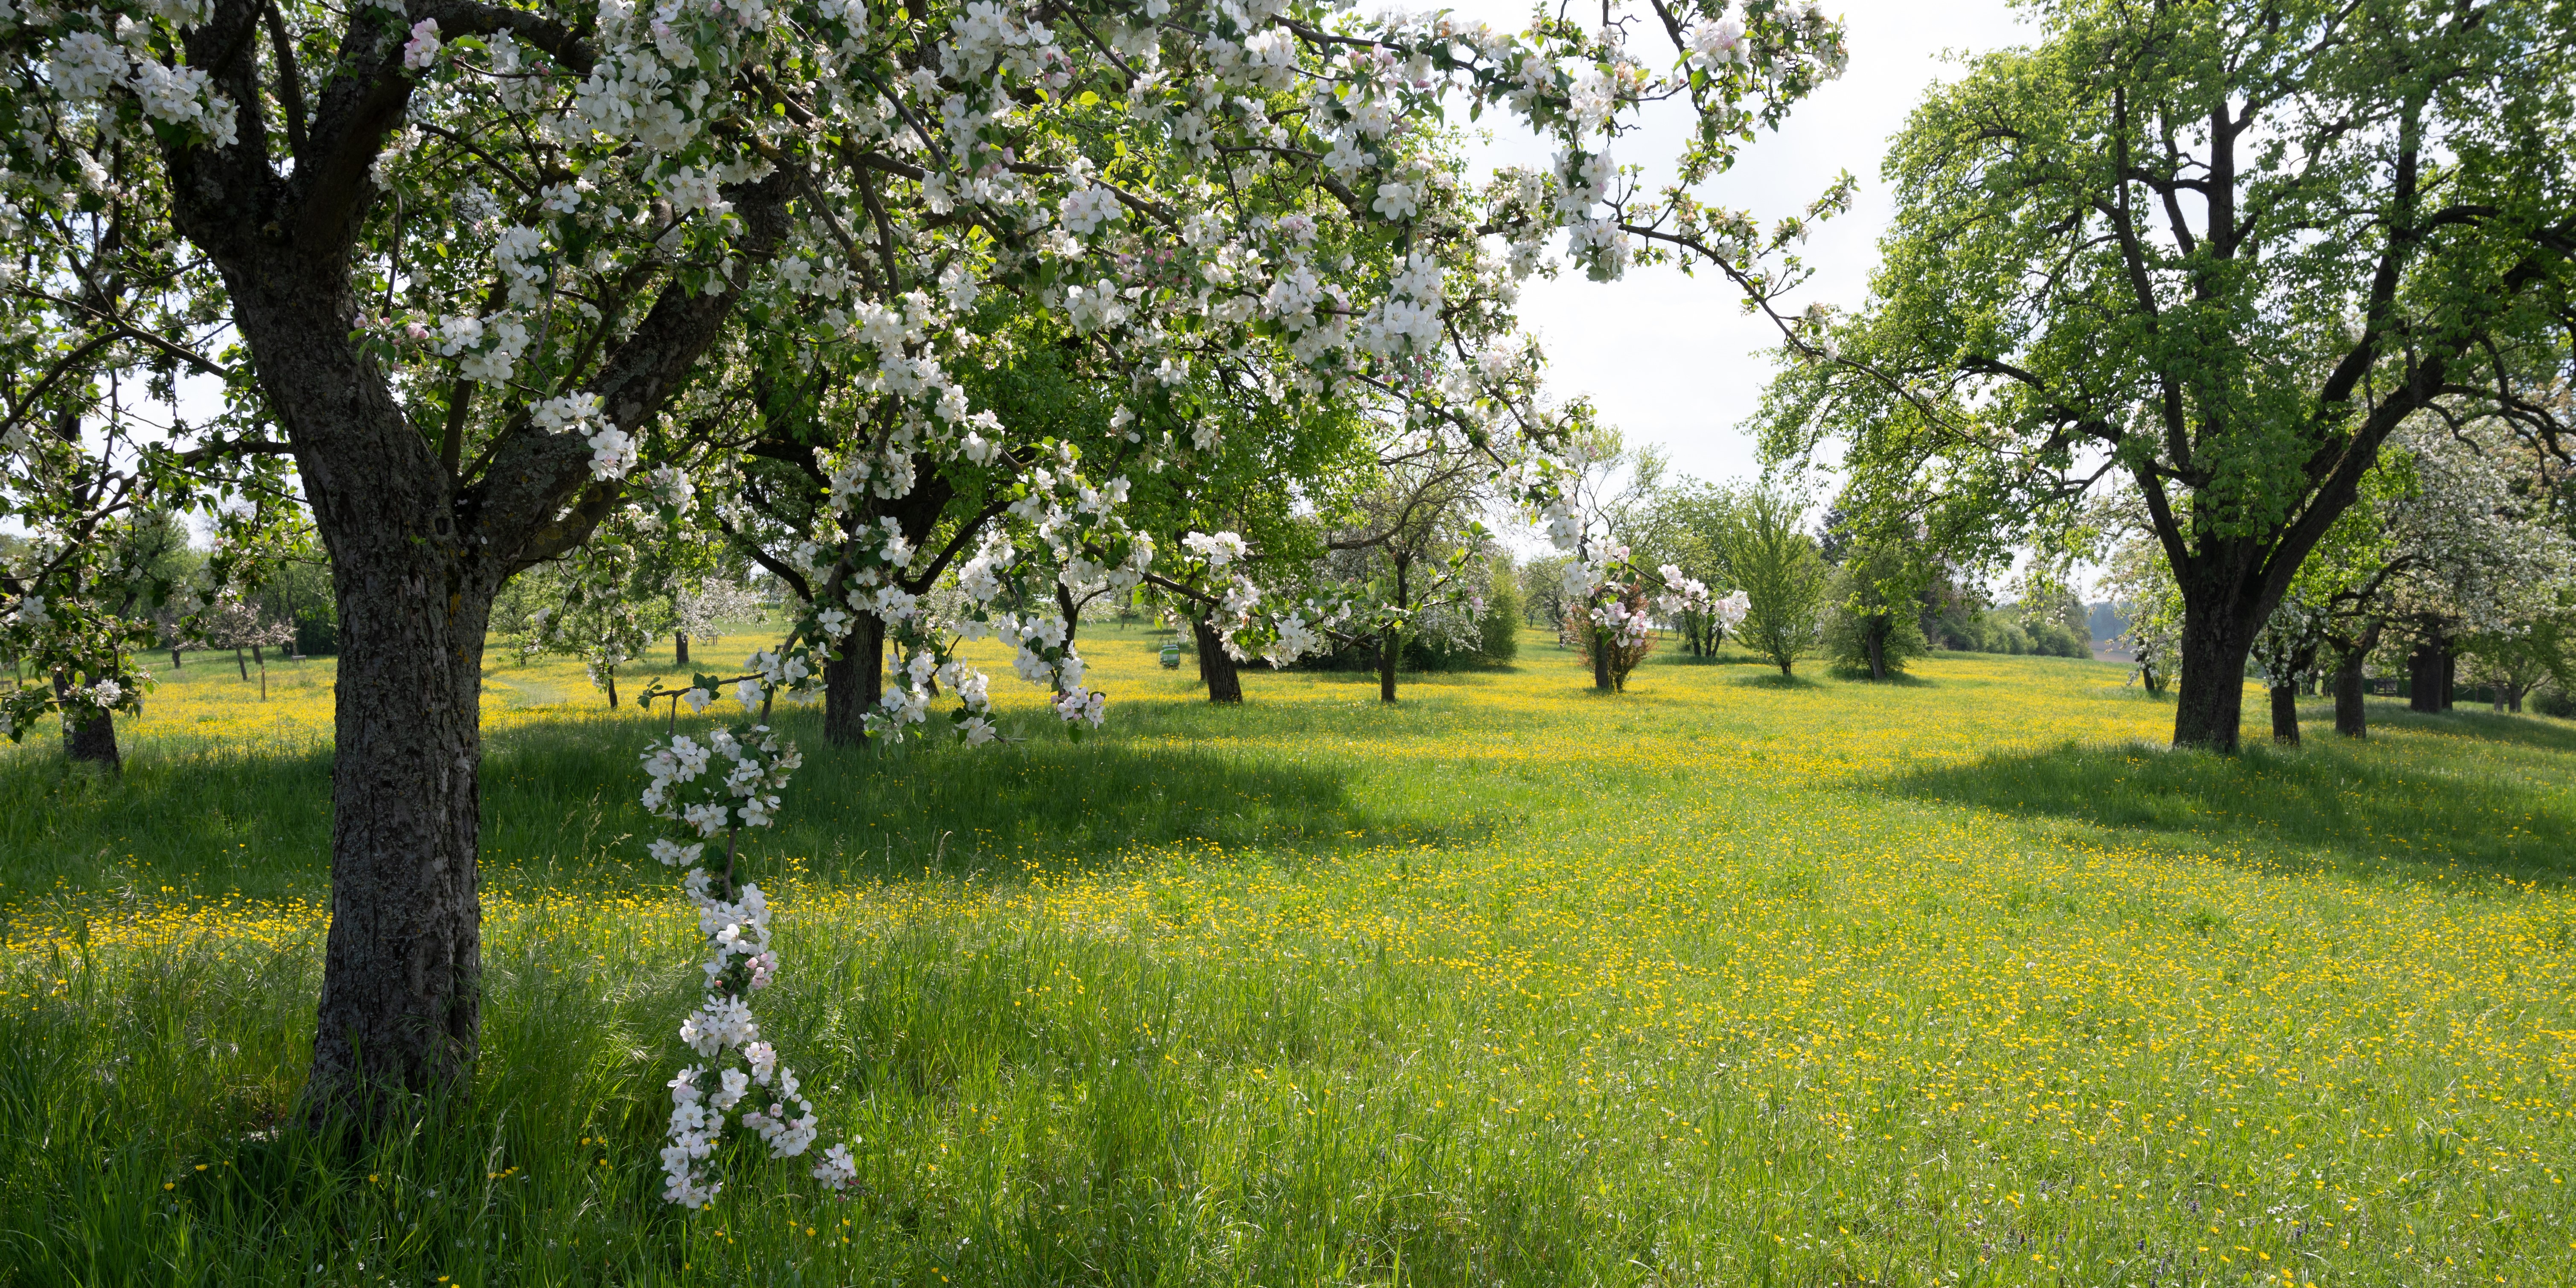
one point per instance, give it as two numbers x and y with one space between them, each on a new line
1724 980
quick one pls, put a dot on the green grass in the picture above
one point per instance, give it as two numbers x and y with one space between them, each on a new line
1714 982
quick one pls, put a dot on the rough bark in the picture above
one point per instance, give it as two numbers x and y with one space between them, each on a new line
853 684
241 664
2285 715
415 563
608 677
89 733
680 643
417 553
1390 642
2450 677
2351 685
176 660
401 999
1601 678
1876 635
1224 680
2425 675
2209 703
2352 718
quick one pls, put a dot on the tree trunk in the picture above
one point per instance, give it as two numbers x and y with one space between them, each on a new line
1216 668
2209 703
1601 680
1387 644
175 662
680 642
242 665
401 981
416 558
2351 686
401 998
2424 676
2450 676
853 685
1876 634
89 731
257 656
608 676
2285 716
92 739
2352 719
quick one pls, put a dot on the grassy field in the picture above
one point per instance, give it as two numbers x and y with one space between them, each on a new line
1722 981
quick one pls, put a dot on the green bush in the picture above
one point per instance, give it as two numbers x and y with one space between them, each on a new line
2554 702
1500 627
2052 639
1873 604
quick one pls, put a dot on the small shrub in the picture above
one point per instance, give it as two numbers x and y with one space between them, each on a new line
2554 702
1500 627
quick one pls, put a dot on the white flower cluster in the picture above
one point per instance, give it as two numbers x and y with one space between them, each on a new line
486 350
1086 209
86 65
1042 656
780 673
422 49
1731 610
1717 44
742 1077
1217 548
1626 625
1683 594
613 451
1246 627
744 794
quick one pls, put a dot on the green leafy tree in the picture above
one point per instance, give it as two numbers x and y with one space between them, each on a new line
1875 626
1783 577
2223 250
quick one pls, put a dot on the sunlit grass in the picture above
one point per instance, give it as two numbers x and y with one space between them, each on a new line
1719 981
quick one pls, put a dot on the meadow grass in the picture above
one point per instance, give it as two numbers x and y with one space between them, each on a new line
1719 981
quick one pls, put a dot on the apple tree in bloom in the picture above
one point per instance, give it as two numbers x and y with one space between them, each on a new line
472 260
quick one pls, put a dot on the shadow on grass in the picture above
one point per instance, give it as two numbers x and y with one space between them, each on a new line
1048 804
559 809
199 820
2344 806
2462 722
1894 680
1775 680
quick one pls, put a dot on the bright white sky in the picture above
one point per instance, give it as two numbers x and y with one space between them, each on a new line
1670 359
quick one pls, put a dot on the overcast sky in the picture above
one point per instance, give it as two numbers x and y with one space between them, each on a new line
1670 359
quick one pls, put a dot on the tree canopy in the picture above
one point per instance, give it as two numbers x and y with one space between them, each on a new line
2219 252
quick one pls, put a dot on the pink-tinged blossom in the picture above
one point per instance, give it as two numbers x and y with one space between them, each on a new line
422 50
